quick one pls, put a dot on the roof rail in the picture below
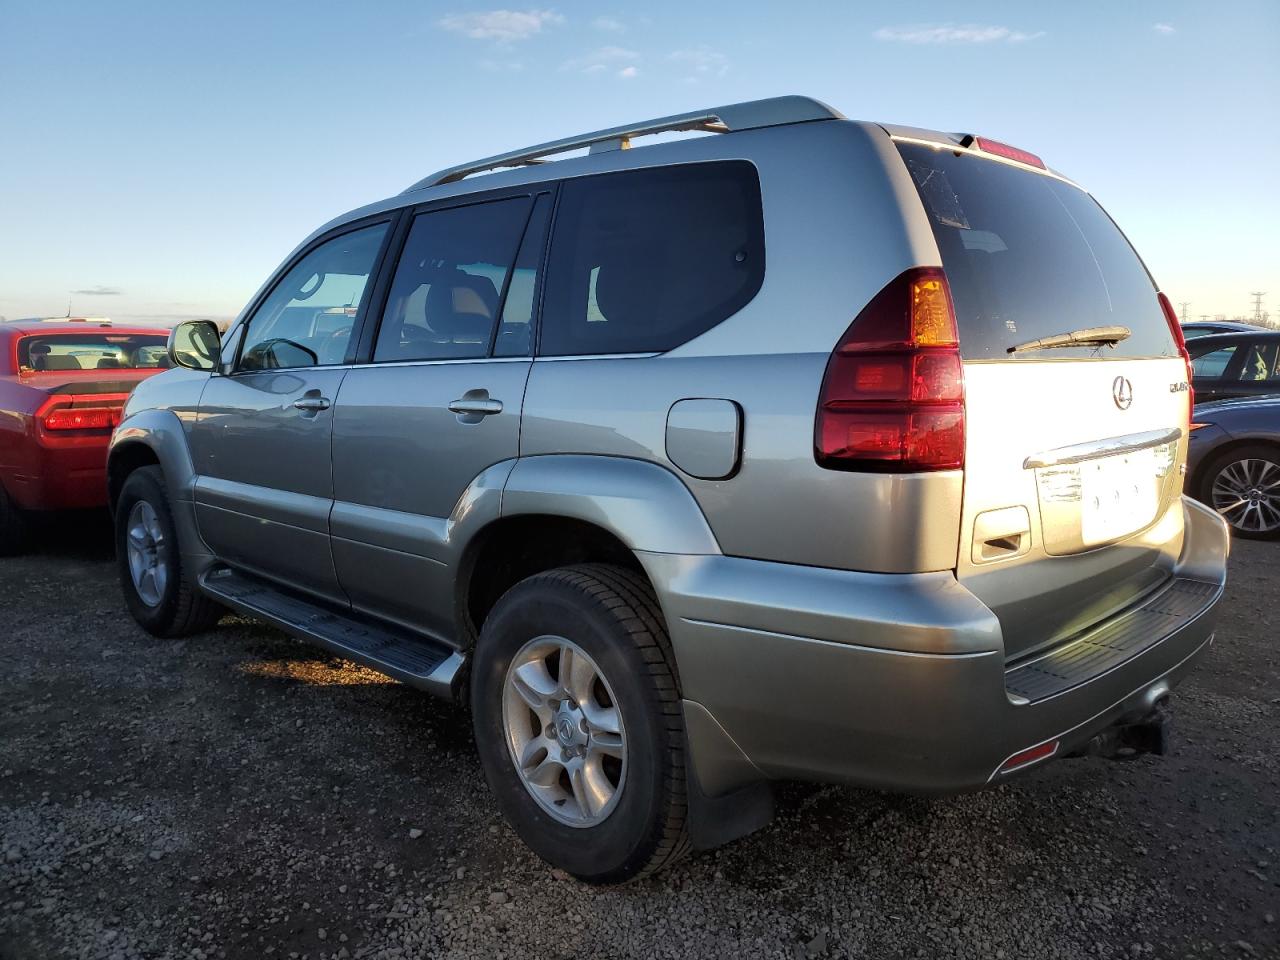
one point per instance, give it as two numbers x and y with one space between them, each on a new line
735 116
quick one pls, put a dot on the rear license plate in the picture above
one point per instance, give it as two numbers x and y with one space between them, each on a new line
1118 495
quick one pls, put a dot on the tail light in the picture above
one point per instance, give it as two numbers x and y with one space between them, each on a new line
98 413
998 149
893 395
1175 328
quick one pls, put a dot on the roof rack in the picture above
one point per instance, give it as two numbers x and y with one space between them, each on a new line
735 116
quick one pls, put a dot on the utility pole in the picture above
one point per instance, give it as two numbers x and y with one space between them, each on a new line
1185 303
1257 305
1204 316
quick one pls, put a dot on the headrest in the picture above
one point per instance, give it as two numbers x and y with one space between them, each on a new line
50 362
623 292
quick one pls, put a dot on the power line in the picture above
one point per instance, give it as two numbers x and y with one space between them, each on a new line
1257 305
1185 304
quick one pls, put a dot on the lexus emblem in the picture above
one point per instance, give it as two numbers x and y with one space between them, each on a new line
1122 392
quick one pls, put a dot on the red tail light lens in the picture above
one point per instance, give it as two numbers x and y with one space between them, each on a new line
62 412
998 149
893 394
1175 328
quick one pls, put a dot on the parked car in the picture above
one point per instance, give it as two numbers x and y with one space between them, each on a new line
1228 365
1233 463
1203 328
902 508
62 386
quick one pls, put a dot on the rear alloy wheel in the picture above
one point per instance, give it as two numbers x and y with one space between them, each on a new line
564 731
1244 487
578 722
158 589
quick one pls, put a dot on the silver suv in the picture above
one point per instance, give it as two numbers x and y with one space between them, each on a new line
806 448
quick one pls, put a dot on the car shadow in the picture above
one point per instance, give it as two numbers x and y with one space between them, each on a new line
84 535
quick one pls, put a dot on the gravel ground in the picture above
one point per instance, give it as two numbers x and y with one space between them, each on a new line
241 795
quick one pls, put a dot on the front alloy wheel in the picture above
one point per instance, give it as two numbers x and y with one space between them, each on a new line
148 553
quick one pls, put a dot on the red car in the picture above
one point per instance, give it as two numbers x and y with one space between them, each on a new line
62 385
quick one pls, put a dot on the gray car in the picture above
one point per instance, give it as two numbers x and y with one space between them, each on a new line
803 448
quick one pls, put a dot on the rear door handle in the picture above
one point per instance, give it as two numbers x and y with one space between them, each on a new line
476 406
312 403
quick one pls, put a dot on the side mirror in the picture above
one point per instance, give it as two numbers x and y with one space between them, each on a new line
195 344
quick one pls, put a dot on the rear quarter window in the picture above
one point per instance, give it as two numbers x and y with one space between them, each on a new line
644 260
1029 256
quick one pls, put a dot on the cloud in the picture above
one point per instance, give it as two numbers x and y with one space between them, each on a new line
700 63
609 25
617 60
504 26
1164 28
99 292
949 33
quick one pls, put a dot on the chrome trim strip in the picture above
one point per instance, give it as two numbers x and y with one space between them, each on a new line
1080 452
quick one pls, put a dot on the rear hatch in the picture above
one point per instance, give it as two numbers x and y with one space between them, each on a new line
1073 453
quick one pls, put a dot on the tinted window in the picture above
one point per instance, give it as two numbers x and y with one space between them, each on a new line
1209 365
644 260
1260 362
1028 256
95 351
444 299
515 334
306 321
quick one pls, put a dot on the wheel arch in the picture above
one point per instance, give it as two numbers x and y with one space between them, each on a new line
564 509
1214 456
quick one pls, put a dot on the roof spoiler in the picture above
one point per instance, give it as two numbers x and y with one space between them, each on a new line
751 115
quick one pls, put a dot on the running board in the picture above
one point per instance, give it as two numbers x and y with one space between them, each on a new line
401 655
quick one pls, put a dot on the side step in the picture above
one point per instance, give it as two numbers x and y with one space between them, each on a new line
417 661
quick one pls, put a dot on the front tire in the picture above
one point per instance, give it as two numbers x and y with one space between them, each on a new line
158 589
1243 485
578 722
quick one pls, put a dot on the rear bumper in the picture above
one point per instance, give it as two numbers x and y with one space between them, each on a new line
899 681
61 477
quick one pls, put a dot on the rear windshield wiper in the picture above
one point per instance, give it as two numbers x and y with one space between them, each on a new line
1088 337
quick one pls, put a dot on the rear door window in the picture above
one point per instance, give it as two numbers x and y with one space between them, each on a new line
1260 362
445 298
644 260
1028 256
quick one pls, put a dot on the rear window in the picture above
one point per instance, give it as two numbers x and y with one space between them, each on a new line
644 260
95 351
1028 256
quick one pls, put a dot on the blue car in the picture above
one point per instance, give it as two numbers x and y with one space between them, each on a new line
1234 463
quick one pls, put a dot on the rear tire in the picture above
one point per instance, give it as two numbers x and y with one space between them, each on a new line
1243 485
628 817
15 533
159 591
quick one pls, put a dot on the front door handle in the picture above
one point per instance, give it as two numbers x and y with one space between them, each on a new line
476 403
312 403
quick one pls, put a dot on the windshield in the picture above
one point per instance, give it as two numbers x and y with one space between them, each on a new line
92 351
1028 256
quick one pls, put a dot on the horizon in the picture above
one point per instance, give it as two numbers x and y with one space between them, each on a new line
174 158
